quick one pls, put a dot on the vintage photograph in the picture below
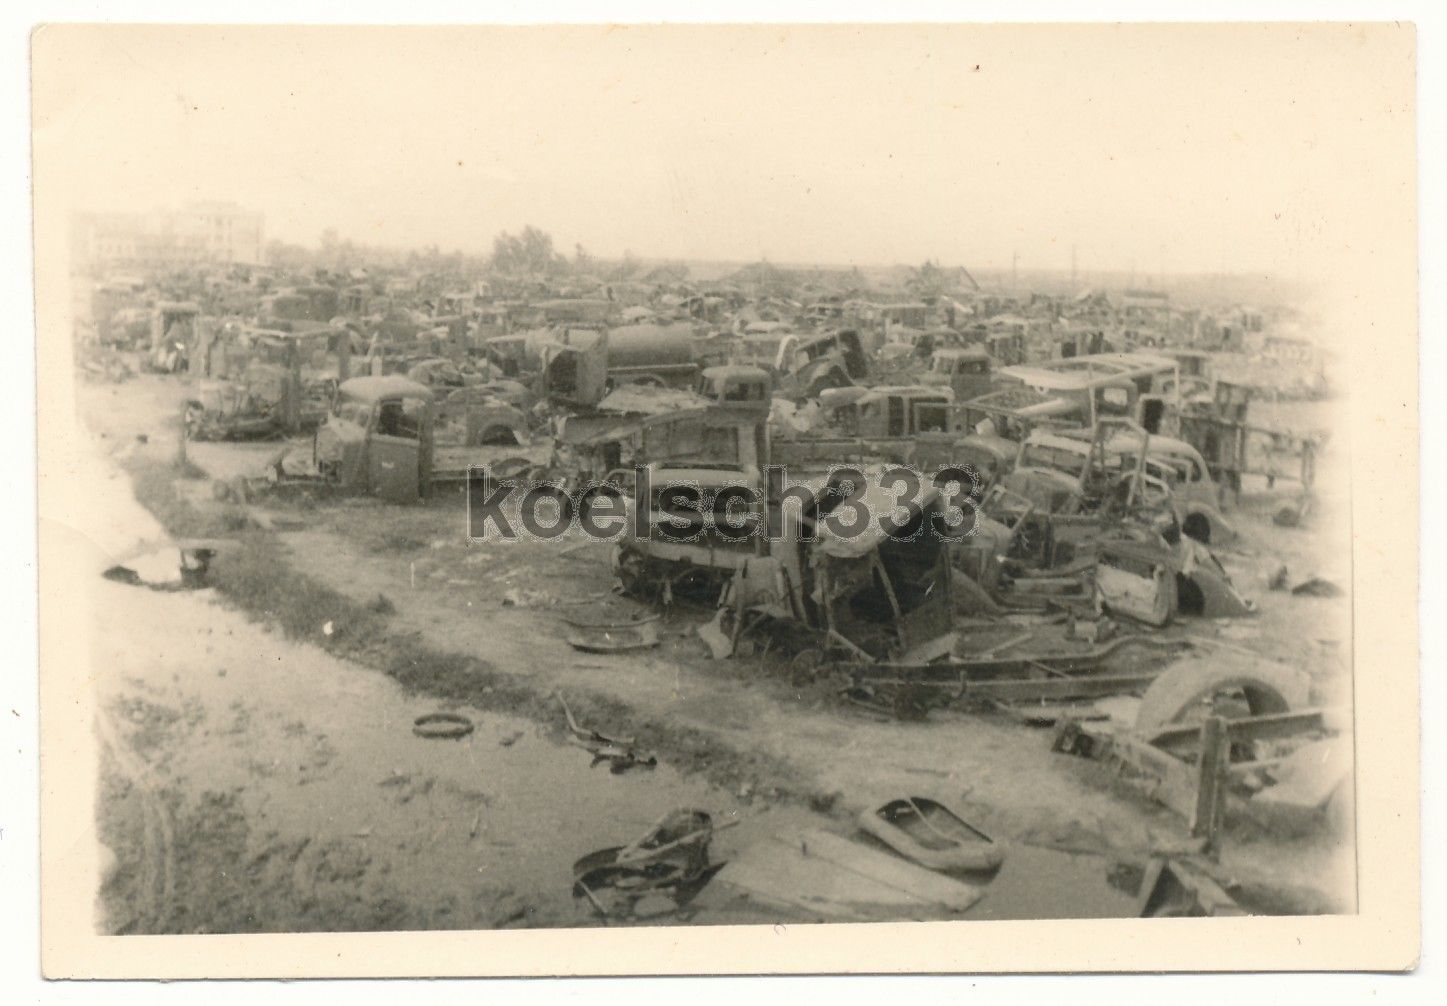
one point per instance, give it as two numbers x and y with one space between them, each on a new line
554 478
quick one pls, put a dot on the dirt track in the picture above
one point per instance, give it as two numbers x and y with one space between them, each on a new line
295 796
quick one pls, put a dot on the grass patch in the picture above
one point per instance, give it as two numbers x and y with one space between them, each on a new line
257 579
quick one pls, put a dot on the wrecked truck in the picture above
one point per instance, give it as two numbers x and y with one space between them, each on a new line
722 420
907 425
1073 472
804 365
280 384
382 437
1091 510
580 366
883 592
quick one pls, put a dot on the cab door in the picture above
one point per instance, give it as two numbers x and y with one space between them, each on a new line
394 455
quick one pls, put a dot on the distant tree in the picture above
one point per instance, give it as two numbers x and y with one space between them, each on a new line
583 263
527 254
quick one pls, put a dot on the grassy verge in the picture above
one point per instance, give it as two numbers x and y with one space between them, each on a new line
256 578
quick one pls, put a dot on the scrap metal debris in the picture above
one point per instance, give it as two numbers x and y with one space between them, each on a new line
833 878
184 565
1172 888
932 835
670 859
617 752
1104 435
1210 736
613 637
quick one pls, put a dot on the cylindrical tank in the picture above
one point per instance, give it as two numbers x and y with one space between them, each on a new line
650 345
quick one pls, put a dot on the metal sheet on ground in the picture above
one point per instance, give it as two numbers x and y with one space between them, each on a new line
820 872
1037 883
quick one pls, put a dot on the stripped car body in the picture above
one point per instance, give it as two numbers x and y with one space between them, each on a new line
883 592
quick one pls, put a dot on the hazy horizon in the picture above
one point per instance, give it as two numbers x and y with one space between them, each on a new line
1161 150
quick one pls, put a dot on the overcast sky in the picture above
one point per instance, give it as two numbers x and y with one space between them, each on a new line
1188 149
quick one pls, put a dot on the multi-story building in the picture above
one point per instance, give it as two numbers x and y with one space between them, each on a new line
197 234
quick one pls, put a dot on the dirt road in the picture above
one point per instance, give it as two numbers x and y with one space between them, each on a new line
249 782
257 782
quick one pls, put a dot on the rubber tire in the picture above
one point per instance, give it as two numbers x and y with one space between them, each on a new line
455 726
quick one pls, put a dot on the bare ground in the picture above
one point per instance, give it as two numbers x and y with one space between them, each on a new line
478 626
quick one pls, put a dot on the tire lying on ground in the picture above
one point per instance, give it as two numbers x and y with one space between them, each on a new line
442 726
1267 688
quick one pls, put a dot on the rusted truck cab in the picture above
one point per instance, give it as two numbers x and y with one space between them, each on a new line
804 365
378 438
737 388
880 413
966 371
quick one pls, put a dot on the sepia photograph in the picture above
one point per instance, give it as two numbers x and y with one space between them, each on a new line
780 478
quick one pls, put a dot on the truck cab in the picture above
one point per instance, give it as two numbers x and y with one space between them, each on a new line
887 412
964 371
378 438
804 365
737 388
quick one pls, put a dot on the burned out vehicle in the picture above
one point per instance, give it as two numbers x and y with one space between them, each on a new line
1083 390
279 384
889 423
888 411
1007 347
804 365
722 420
1062 492
378 438
1073 505
232 410
388 437
1069 473
881 592
914 425
965 371
436 372
1152 580
580 366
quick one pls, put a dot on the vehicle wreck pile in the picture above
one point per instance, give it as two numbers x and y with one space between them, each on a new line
986 504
